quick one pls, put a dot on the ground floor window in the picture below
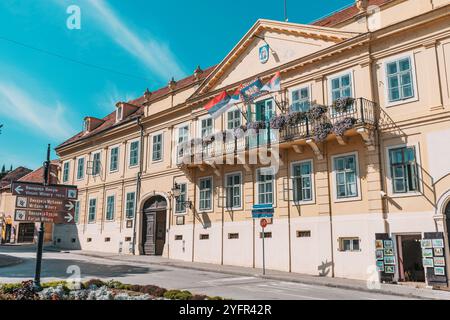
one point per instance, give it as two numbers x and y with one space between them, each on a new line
233 190
349 244
205 188
92 209
265 185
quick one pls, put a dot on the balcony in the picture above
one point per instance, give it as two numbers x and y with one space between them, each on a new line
359 117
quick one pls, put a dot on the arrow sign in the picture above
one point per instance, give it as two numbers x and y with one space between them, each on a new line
19 190
69 206
32 189
43 204
69 218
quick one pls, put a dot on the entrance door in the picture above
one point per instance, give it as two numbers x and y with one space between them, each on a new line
26 232
154 226
447 220
410 258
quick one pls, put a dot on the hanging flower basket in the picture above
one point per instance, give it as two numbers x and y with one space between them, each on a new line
343 125
278 122
317 111
343 104
295 118
209 139
240 131
257 125
321 131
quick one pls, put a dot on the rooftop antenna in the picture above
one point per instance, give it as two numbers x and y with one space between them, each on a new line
285 11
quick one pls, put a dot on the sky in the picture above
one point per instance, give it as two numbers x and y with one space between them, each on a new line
52 76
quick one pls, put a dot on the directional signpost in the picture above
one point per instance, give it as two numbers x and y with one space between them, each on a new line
44 203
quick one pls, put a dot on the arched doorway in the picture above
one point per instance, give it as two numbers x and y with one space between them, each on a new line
447 219
154 226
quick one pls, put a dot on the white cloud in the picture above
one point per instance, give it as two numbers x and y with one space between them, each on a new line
153 53
107 100
50 119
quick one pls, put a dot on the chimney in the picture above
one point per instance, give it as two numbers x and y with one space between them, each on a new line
362 5
197 73
172 84
147 95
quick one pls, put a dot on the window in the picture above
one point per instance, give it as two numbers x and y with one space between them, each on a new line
134 153
96 164
302 181
127 239
205 186
266 235
183 137
157 147
204 236
233 119
107 239
304 234
119 114
400 79
300 100
233 236
349 244
404 171
110 207
265 186
206 127
66 168
178 237
92 209
114 159
80 168
233 190
346 174
341 87
180 206
130 203
76 215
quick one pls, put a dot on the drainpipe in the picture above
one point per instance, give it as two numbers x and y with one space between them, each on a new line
138 181
330 208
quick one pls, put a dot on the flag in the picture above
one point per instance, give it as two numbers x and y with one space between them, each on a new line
218 105
252 90
234 99
274 84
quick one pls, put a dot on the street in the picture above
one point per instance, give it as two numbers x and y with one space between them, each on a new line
60 265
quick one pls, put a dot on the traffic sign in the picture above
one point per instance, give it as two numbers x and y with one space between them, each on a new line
263 223
31 189
42 216
45 204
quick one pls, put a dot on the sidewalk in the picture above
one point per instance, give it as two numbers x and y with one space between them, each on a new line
360 285
8 261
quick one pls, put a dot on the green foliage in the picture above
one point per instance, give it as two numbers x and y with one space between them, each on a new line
94 282
153 290
9 288
114 284
54 284
199 297
178 295
215 298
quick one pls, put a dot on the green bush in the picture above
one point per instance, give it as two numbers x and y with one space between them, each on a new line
54 284
96 282
153 290
199 297
178 295
114 284
8 288
215 298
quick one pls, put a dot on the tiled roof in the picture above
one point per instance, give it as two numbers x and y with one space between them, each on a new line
31 176
110 120
13 176
345 14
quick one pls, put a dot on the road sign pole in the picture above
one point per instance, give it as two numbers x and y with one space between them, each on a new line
40 244
263 253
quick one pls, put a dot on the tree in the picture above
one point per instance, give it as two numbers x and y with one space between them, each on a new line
3 169
11 168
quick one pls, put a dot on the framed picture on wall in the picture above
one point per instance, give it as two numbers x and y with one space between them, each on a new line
389 260
438 243
428 263
388 244
389 269
438 252
439 261
439 271
378 244
388 252
426 243
379 254
380 266
427 253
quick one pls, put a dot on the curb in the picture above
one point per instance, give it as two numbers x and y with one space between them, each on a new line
271 277
14 262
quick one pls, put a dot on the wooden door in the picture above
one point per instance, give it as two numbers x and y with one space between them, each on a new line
149 244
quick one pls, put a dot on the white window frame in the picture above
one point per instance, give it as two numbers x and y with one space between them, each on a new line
274 186
161 133
114 207
390 190
181 213
93 163
68 171
358 177
330 78
212 194
291 182
241 195
110 158
77 168
388 60
138 153
177 137
227 119
119 115
89 210
300 87
199 125
351 239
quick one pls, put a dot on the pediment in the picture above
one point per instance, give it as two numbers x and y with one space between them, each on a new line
286 41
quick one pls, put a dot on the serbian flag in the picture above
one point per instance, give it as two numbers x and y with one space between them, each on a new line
218 105
235 98
274 84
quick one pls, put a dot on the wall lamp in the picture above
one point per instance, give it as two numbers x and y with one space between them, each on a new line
176 193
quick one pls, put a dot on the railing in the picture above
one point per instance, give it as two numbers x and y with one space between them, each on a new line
361 110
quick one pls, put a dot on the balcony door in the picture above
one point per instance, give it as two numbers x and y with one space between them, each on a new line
264 111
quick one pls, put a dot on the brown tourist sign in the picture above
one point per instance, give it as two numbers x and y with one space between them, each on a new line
30 189
45 204
42 216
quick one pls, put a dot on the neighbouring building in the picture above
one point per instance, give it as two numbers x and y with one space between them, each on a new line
20 231
364 152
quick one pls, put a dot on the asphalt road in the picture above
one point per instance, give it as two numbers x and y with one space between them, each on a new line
59 265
